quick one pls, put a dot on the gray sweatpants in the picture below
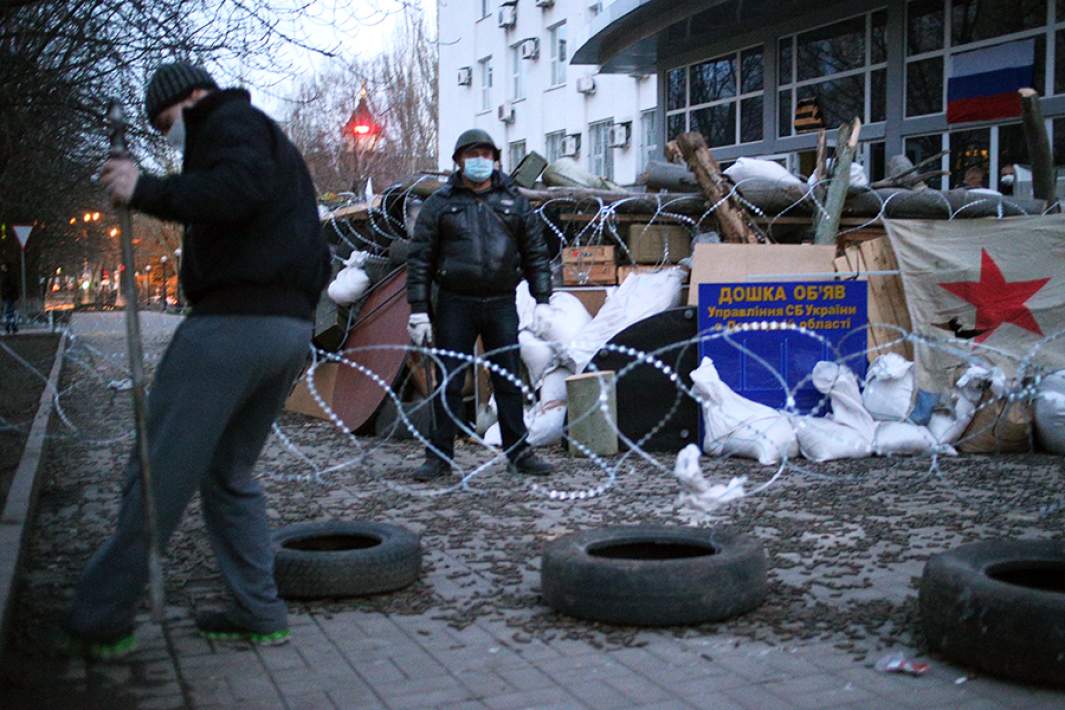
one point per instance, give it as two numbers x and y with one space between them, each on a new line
216 392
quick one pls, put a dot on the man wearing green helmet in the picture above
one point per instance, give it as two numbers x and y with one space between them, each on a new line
476 238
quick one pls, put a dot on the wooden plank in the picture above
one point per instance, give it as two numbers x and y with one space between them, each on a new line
729 215
891 299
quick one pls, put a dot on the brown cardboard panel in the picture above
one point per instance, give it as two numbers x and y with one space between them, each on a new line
589 273
581 255
646 243
724 263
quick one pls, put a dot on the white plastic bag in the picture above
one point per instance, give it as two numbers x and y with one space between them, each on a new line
697 493
756 168
1050 412
736 425
889 388
349 286
642 295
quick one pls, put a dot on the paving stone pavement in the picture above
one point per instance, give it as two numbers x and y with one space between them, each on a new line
472 632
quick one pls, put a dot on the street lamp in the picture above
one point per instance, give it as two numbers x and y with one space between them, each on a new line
162 259
360 134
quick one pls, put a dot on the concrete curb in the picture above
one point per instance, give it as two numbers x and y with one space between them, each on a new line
22 497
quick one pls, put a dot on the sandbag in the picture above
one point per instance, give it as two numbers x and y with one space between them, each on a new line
641 295
948 426
841 386
553 388
998 425
858 178
537 355
568 318
759 169
904 438
1050 412
823 439
349 286
890 388
546 423
736 425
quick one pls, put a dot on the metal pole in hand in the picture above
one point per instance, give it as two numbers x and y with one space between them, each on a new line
117 119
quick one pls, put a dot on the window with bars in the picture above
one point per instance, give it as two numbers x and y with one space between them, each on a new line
485 66
722 98
559 55
842 67
553 145
600 154
648 137
515 153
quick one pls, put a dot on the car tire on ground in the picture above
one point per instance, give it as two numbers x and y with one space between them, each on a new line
344 559
999 606
654 575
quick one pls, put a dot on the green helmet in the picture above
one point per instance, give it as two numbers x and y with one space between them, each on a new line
472 137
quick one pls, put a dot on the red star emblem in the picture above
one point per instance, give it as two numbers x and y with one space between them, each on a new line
997 301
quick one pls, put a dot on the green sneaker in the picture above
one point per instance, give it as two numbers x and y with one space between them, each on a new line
108 648
217 626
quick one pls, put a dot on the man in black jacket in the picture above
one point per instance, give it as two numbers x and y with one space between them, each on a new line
475 238
253 265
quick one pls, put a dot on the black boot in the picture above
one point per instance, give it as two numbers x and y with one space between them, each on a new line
530 464
431 470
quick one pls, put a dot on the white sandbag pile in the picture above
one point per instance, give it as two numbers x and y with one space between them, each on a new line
736 426
351 282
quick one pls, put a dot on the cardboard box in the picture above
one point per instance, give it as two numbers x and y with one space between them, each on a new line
887 299
724 263
300 399
583 266
648 243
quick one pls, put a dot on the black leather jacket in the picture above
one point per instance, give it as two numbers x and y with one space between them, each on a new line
477 244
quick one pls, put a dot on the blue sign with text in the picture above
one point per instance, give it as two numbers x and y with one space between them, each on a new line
835 310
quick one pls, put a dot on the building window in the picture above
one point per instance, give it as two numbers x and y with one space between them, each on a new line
648 137
722 98
553 145
600 154
920 148
485 66
936 29
559 57
515 154
970 158
517 74
841 66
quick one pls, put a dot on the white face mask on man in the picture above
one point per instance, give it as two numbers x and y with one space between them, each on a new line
176 135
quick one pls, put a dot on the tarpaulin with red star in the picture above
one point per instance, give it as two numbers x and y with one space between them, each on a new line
995 286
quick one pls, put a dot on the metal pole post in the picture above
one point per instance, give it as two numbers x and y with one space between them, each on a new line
25 305
136 366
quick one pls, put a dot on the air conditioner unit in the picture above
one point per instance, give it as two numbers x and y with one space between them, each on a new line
619 135
465 76
505 112
571 145
508 16
530 48
586 84
545 3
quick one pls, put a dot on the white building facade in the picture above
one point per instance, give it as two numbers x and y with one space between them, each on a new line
504 67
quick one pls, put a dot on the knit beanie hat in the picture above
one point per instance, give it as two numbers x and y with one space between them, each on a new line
173 82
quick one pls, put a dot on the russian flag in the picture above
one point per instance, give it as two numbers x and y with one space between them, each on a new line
983 83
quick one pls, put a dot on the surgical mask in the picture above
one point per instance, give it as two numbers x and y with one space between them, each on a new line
176 135
477 169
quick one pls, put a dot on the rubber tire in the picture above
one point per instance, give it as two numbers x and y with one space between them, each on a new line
654 592
1001 628
305 574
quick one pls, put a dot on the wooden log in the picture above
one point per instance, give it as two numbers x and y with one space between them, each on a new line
667 176
730 217
588 424
1044 177
846 145
821 165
